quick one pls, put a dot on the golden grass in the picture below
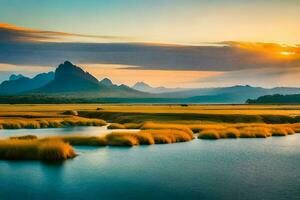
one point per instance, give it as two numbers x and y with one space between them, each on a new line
70 112
155 126
147 137
211 134
171 135
202 109
121 140
200 127
55 151
127 138
279 131
16 149
133 125
24 137
255 132
116 126
18 123
296 127
230 133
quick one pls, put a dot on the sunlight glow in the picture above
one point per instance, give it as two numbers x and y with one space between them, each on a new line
287 53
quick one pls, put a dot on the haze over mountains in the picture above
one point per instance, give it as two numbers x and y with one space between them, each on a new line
71 81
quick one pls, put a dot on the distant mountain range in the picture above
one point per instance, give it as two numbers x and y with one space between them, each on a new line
144 87
19 83
71 81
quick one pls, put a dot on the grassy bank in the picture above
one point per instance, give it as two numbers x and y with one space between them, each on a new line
246 130
33 149
34 123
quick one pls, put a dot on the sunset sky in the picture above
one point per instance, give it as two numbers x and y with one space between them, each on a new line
175 43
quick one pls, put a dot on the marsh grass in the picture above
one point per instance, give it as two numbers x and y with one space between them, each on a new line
255 132
196 128
121 140
211 134
147 137
157 126
133 125
16 149
19 123
230 133
24 137
70 112
116 126
55 151
279 131
296 127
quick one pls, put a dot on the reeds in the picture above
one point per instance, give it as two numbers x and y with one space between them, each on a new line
20 149
155 126
230 133
24 137
55 151
147 137
116 126
49 123
121 140
279 131
255 132
211 134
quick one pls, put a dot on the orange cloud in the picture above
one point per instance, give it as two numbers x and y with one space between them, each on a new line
11 33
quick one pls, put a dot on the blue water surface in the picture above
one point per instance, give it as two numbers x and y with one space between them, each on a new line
223 169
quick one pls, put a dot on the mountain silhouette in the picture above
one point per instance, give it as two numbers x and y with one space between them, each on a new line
144 87
70 79
14 77
19 83
106 82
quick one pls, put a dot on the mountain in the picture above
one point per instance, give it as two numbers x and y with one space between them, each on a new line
144 87
14 77
276 99
234 94
71 80
19 83
106 82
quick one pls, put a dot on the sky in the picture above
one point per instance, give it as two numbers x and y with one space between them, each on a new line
175 43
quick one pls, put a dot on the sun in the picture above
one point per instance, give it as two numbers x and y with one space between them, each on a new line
287 53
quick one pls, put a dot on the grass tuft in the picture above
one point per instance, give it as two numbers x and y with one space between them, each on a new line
279 131
116 126
16 149
121 140
210 134
230 133
49 123
180 127
24 137
55 151
70 112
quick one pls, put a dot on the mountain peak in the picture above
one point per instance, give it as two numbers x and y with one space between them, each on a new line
69 78
143 84
106 82
67 69
14 77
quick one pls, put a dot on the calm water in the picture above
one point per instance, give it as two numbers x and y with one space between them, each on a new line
223 169
91 131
